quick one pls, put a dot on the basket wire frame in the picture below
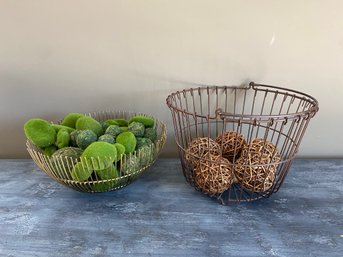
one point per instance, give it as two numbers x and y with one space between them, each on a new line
273 114
60 168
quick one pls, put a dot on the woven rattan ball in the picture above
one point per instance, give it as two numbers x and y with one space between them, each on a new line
231 143
199 147
213 174
256 168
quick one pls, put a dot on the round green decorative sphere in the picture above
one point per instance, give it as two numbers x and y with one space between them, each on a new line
40 132
87 122
136 128
128 140
99 155
85 138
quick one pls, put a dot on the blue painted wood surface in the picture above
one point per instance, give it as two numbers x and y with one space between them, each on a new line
161 215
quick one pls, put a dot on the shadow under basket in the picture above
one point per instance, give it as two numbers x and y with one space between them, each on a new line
236 144
126 170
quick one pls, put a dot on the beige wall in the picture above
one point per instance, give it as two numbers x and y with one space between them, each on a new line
78 56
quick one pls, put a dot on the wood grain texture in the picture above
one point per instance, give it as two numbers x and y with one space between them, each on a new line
161 215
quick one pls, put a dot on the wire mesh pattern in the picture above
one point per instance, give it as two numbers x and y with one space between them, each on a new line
257 128
116 175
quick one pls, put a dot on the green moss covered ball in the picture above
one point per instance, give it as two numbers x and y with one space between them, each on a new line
124 129
147 121
142 141
63 138
85 138
107 138
121 122
145 154
128 140
70 119
99 155
87 122
113 130
104 125
72 153
49 151
58 127
109 173
110 122
73 137
81 172
151 133
130 164
120 150
40 132
137 129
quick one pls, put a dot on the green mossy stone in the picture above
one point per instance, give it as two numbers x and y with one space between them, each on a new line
70 119
87 122
99 155
142 141
81 172
128 140
108 173
40 132
146 120
113 130
121 122
73 137
130 164
58 127
104 186
104 125
120 150
107 138
111 122
151 133
64 159
49 151
63 138
85 138
124 129
137 128
145 155
73 153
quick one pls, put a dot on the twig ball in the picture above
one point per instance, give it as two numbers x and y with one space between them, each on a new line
231 143
214 174
256 168
199 147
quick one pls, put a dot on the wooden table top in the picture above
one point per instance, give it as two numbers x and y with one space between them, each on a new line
161 215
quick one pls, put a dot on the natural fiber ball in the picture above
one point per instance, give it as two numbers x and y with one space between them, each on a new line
113 130
111 122
120 150
130 164
85 138
213 175
104 125
70 119
81 172
107 138
136 128
147 121
128 140
151 133
231 143
63 138
40 132
199 147
87 122
99 155
256 168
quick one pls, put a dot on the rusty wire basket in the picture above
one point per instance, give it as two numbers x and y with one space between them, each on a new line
237 144
128 168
